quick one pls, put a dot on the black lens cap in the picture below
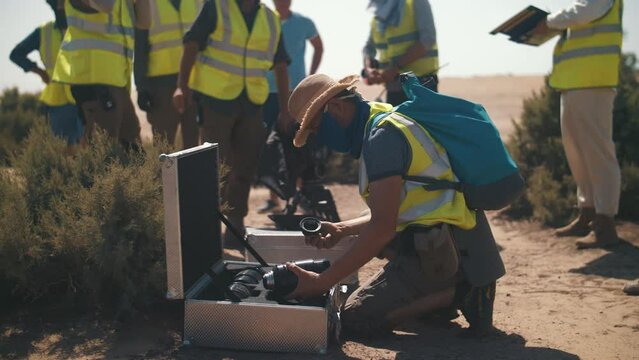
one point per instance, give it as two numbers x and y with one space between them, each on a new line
310 226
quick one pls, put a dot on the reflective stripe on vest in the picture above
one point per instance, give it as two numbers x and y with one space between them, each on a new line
588 56
396 40
110 28
166 33
97 47
54 94
96 44
429 159
235 59
50 40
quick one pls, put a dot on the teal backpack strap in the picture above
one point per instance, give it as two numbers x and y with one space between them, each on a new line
432 184
376 119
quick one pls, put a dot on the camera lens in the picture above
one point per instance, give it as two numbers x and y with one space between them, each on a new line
310 226
283 281
243 283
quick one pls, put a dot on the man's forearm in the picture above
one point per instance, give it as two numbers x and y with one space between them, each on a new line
142 14
353 226
414 53
372 240
379 230
281 81
141 60
189 55
318 52
580 13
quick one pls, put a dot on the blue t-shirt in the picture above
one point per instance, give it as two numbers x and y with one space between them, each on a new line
296 30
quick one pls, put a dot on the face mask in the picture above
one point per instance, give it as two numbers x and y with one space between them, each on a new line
334 136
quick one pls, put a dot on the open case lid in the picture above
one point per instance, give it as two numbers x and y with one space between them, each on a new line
519 27
190 186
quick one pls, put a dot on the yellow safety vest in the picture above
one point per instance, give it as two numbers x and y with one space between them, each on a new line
588 56
54 94
98 47
165 35
235 59
396 40
429 159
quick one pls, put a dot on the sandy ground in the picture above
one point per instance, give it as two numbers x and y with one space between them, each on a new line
554 303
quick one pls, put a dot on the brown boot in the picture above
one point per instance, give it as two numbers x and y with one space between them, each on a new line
580 226
632 288
604 234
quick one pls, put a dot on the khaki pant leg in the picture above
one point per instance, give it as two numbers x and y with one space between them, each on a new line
586 126
189 126
397 293
130 124
247 140
217 128
163 116
108 120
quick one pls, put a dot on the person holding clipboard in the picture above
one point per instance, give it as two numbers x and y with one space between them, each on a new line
586 72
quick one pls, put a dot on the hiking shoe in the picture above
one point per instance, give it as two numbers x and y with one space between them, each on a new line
477 307
604 234
580 226
632 288
269 206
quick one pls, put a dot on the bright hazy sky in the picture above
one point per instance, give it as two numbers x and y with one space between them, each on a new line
462 32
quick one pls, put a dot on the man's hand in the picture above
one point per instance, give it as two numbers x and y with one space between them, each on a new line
390 74
182 98
43 75
541 29
309 284
373 76
330 235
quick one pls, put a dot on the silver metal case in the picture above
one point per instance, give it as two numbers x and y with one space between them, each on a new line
194 264
278 247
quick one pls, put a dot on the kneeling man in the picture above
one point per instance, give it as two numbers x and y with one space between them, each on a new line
441 255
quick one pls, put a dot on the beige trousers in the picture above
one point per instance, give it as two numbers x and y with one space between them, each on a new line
164 118
241 137
586 128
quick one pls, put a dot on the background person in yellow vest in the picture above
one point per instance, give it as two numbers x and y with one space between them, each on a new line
227 53
96 60
417 230
61 111
297 29
586 71
402 38
157 64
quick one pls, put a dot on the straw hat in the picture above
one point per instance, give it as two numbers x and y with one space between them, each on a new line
310 96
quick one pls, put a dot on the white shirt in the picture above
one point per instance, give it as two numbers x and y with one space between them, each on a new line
580 13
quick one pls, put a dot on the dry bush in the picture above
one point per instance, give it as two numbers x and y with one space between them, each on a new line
86 228
538 150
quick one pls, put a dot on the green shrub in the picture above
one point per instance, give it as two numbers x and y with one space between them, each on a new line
18 113
536 146
88 227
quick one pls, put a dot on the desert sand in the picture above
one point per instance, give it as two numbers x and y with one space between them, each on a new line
555 302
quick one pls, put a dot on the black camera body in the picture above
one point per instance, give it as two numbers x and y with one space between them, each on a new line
283 281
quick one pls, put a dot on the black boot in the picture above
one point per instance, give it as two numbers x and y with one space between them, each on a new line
477 307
